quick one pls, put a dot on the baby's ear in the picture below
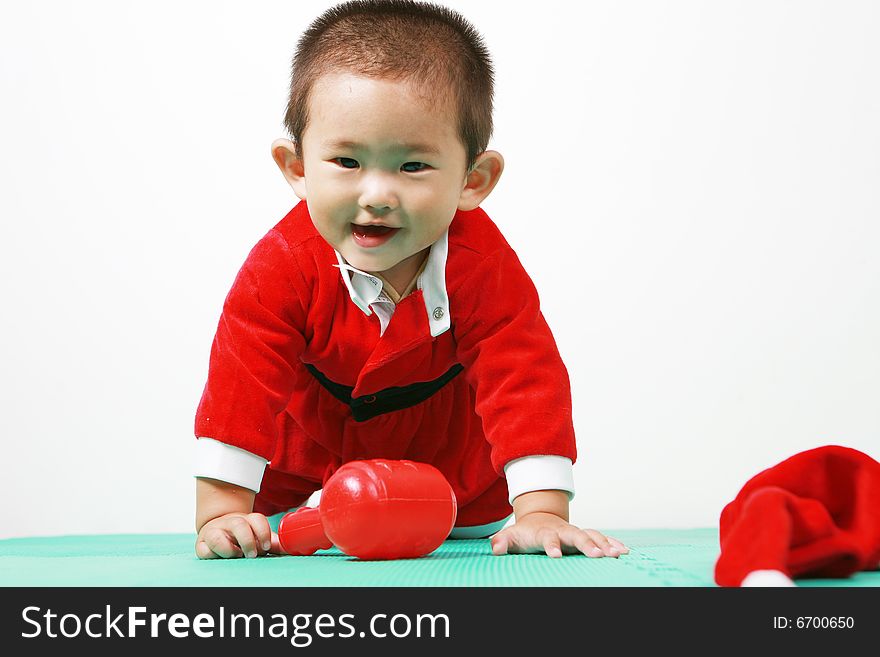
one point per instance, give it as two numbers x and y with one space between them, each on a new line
481 179
291 165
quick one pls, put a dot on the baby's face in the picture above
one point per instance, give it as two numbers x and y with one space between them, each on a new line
384 169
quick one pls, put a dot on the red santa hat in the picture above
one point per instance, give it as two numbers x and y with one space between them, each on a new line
816 514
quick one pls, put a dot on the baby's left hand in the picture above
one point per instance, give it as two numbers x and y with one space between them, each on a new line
546 532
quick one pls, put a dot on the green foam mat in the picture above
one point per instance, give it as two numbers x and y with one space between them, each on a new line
658 557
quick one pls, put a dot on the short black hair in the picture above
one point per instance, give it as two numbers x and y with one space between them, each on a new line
429 45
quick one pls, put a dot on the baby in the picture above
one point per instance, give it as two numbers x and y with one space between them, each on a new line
386 316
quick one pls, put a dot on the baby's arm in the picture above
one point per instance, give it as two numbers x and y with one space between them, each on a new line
542 526
251 375
226 525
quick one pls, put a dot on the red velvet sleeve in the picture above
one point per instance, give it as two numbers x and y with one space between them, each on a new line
258 342
523 394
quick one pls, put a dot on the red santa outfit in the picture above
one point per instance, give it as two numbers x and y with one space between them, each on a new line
313 366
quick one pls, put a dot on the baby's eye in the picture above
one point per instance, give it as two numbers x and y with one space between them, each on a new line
413 167
346 162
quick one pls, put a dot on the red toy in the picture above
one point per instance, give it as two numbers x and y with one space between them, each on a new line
376 509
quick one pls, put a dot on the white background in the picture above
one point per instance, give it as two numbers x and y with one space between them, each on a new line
693 187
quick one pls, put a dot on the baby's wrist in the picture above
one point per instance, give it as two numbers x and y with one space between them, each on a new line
554 502
215 499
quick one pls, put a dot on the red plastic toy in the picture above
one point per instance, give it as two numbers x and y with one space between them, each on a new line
376 509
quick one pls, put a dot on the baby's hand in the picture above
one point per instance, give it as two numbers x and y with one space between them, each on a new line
237 535
546 532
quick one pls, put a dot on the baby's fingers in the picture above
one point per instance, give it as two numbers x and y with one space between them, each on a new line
262 532
617 544
607 548
275 545
243 532
203 551
507 541
550 542
215 543
500 543
580 541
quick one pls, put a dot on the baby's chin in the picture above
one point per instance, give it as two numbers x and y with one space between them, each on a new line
371 262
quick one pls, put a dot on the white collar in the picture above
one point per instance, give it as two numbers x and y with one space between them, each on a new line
365 289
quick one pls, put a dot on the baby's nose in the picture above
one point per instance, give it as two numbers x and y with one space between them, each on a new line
378 193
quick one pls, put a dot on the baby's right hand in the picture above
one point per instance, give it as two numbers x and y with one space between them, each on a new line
237 535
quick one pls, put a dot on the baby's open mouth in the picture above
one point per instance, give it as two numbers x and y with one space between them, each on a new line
372 236
371 231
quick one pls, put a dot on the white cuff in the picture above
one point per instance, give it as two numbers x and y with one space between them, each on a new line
230 464
544 472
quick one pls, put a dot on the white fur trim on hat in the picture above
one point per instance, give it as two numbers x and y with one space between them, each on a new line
767 578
